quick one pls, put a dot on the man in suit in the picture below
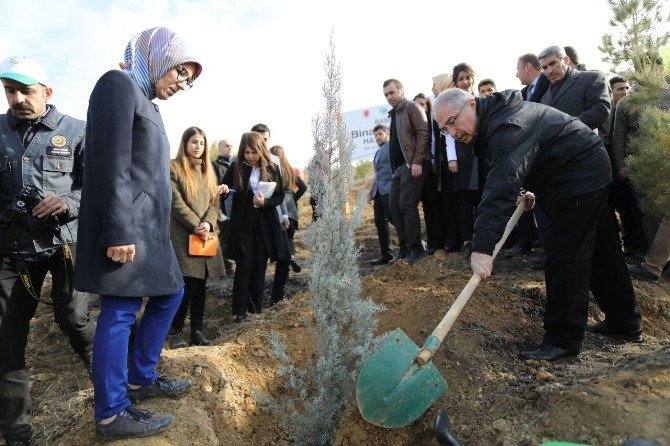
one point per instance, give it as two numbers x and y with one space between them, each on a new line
535 83
582 94
530 75
379 194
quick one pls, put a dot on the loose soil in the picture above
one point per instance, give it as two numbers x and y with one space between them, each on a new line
613 392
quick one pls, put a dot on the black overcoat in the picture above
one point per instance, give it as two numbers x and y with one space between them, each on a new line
126 194
535 147
245 215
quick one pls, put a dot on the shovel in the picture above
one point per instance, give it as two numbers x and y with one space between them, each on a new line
399 382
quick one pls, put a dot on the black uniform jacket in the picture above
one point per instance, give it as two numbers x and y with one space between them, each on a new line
535 147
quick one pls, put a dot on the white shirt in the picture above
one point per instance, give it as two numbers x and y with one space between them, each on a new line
451 148
254 179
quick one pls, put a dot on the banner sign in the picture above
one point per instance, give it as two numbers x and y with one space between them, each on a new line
360 124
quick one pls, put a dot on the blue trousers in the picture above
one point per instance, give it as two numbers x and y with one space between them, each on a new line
112 369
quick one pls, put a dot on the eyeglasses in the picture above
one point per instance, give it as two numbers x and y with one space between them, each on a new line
444 131
182 78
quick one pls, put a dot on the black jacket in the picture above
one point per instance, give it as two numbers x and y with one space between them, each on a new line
221 165
245 216
584 95
535 147
126 195
541 88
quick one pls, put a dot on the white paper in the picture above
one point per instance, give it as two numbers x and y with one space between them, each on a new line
267 188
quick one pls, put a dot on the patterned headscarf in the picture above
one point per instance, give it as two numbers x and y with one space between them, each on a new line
442 82
152 53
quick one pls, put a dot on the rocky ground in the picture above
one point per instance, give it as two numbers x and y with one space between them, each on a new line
614 391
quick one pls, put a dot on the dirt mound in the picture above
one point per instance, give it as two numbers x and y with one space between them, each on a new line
613 392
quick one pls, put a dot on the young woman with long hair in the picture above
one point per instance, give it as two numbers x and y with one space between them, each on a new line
255 233
195 209
294 187
465 181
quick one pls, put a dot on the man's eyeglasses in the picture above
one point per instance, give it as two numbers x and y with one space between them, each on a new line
444 131
182 78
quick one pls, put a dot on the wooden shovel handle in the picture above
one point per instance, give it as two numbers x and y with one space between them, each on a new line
445 324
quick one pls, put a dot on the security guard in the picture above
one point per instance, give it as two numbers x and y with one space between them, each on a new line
41 162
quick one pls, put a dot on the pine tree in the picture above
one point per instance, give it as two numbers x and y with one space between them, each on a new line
640 24
344 323
649 168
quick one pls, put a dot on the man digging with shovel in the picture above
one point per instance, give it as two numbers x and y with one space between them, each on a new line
538 148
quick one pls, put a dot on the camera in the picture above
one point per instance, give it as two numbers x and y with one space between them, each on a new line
23 203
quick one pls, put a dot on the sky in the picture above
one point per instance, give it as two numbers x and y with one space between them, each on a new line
263 60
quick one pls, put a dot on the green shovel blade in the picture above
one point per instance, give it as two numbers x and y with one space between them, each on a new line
393 390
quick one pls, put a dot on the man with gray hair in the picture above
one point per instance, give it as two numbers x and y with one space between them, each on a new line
537 148
582 94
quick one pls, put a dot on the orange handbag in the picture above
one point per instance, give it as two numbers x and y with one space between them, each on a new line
199 247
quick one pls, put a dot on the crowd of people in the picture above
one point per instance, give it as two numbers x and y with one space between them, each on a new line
135 229
561 141
89 203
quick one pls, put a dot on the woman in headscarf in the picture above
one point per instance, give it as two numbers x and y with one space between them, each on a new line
124 250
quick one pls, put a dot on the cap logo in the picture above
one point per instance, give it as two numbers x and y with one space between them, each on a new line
58 140
15 61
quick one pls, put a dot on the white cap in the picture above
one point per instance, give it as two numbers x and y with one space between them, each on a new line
23 70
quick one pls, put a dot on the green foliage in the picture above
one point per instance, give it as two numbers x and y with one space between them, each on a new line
315 398
364 170
637 22
649 168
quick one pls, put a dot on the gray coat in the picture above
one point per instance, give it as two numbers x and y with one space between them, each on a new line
383 171
126 195
584 95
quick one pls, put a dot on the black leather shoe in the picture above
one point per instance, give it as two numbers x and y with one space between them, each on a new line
176 339
547 352
452 247
402 254
294 266
380 261
198 338
442 428
624 334
640 272
539 263
240 319
133 423
160 387
415 256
